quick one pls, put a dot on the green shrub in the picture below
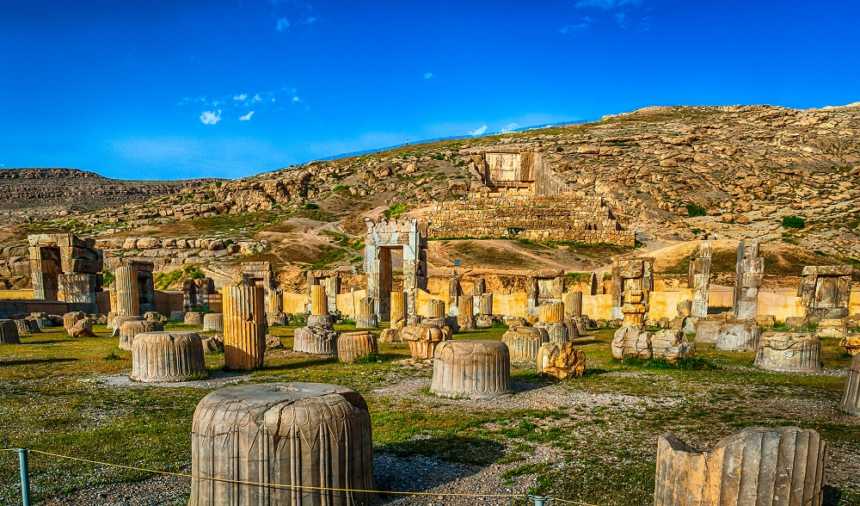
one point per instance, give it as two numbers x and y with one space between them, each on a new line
107 278
395 210
793 222
695 210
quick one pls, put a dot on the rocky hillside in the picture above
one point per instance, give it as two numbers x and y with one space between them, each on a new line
670 173
61 191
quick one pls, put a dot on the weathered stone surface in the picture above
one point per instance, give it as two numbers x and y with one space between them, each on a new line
9 332
213 322
154 316
71 318
473 369
832 327
699 280
483 321
738 335
315 339
423 338
23 328
437 309
851 397
485 304
131 328
552 312
632 283
82 328
244 320
397 319
465 313
556 332
758 466
273 342
365 317
319 300
523 343
212 344
352 346
670 345
749 273
825 291
293 434
390 335
560 361
631 342
64 267
382 236
851 344
167 356
789 352
573 309
193 318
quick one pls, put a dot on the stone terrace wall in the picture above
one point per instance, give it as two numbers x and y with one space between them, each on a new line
174 251
564 217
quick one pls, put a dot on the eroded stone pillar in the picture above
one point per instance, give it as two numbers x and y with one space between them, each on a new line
473 369
127 291
465 313
749 273
851 397
244 322
699 279
167 356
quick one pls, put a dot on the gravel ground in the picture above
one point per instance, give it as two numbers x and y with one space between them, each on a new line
215 380
157 491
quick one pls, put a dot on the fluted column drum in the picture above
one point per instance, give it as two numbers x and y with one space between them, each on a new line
167 356
789 352
465 313
315 339
23 328
213 322
437 309
244 320
552 312
365 317
523 343
738 335
294 434
851 398
397 318
352 346
131 328
556 332
781 466
319 301
127 291
485 306
574 306
423 339
9 332
473 369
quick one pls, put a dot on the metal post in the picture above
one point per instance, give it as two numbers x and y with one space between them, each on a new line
25 476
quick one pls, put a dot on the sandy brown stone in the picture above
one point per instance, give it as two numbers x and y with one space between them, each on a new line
352 346
131 328
473 369
213 322
167 357
523 343
244 320
561 361
631 342
789 352
851 397
670 345
194 318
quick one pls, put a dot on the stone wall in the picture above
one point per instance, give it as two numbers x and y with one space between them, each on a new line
174 252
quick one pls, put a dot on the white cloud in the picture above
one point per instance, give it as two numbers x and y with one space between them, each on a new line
510 127
310 20
478 131
210 117
428 75
282 24
241 97
296 99
256 98
580 26
607 4
247 117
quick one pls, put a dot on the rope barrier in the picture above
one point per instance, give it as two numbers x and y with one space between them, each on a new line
291 486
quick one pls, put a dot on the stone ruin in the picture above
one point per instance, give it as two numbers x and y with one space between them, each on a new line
524 342
196 292
352 346
514 193
134 288
260 274
789 352
65 267
471 369
291 435
318 337
244 322
635 342
167 357
383 237
329 279
632 283
825 291
749 274
851 397
543 287
699 279
757 466
560 361
397 319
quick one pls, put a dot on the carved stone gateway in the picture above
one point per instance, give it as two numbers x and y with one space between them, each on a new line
632 283
758 466
294 434
789 352
824 290
167 356
699 279
65 267
383 237
749 273
473 369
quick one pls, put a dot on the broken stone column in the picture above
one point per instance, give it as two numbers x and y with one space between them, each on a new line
454 290
699 279
365 317
523 343
244 320
292 435
437 309
397 317
738 335
851 398
71 318
319 301
782 466
670 345
789 352
352 346
23 328
465 313
551 319
484 319
574 306
560 361
127 291
423 338
193 318
316 340
382 237
473 369
131 328
631 342
749 273
213 322
167 356
632 283
9 332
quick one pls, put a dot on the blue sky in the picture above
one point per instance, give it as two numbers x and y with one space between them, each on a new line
169 89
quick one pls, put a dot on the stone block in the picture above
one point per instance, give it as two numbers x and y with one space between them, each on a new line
9 332
851 397
167 356
524 343
561 361
789 352
738 335
352 346
471 369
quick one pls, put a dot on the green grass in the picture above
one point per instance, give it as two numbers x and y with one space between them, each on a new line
694 210
793 222
599 448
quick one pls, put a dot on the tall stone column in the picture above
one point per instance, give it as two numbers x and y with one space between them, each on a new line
749 273
851 397
244 326
699 279
574 307
319 301
397 318
127 291
466 313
